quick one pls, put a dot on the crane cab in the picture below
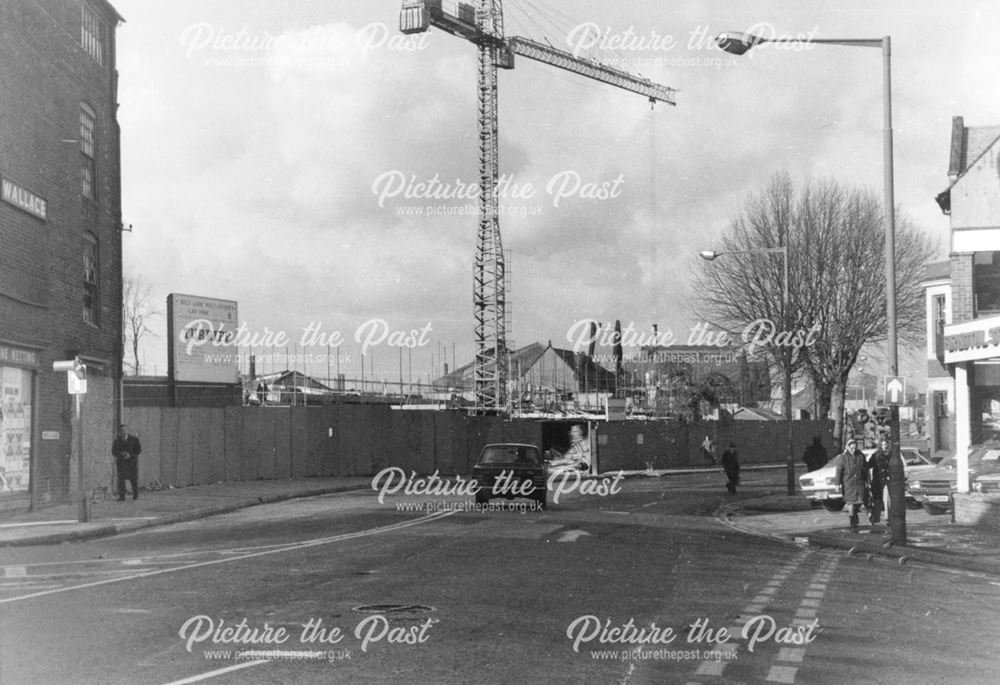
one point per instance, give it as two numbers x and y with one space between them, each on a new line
458 19
413 17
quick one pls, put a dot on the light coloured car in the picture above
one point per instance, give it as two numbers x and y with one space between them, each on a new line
821 487
935 487
988 484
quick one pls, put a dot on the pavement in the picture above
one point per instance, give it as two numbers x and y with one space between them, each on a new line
930 539
61 523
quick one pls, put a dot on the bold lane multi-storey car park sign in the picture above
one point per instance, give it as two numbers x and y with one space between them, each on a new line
23 199
201 334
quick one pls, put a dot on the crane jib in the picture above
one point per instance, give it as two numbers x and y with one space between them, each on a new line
591 69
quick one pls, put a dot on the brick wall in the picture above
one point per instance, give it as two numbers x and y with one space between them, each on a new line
962 305
45 76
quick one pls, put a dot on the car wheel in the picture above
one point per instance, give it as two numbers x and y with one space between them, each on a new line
483 496
834 505
540 498
935 509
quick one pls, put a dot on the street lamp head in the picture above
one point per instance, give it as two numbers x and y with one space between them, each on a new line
737 43
708 255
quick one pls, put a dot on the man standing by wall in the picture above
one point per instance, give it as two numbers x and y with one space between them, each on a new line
126 449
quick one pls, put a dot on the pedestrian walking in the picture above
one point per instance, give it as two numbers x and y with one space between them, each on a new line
126 449
815 455
731 465
878 467
852 476
708 451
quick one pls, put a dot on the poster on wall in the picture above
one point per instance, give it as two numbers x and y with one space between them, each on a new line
202 339
15 428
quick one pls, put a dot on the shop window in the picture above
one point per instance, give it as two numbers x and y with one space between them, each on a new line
92 33
91 272
986 282
15 429
88 145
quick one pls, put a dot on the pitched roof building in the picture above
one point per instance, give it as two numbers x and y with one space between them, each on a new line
963 298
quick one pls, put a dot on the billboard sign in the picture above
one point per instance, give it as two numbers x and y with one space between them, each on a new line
201 335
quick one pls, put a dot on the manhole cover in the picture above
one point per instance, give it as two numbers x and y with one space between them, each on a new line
395 609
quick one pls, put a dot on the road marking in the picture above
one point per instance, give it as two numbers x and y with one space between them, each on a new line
212 562
35 523
125 610
782 674
805 615
791 654
572 535
220 671
15 571
710 668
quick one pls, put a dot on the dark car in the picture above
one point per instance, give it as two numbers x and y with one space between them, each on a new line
510 470
934 487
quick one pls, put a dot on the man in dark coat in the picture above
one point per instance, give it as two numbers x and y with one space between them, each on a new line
731 465
879 481
815 455
126 449
852 476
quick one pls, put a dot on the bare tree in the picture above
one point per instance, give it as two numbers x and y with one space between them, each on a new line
136 313
836 252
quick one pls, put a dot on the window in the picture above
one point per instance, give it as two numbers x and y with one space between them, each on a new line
986 282
940 404
91 274
88 145
939 322
92 33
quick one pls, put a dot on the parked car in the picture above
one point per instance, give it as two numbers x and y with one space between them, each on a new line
987 484
511 470
821 487
934 487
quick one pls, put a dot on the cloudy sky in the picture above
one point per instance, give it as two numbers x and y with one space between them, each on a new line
273 154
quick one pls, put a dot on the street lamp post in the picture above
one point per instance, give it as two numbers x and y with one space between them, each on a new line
786 353
740 43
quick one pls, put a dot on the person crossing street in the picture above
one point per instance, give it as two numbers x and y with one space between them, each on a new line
852 476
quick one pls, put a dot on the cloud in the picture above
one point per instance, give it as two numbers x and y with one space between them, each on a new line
252 137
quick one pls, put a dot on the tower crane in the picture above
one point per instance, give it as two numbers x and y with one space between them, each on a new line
483 26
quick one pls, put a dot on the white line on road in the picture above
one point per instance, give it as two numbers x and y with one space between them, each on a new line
294 546
572 535
220 671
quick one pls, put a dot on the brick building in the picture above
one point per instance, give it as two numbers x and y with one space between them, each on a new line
963 299
61 257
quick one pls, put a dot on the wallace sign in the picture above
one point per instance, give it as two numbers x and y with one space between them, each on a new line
23 199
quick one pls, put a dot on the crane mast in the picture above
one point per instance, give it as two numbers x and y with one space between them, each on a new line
483 26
